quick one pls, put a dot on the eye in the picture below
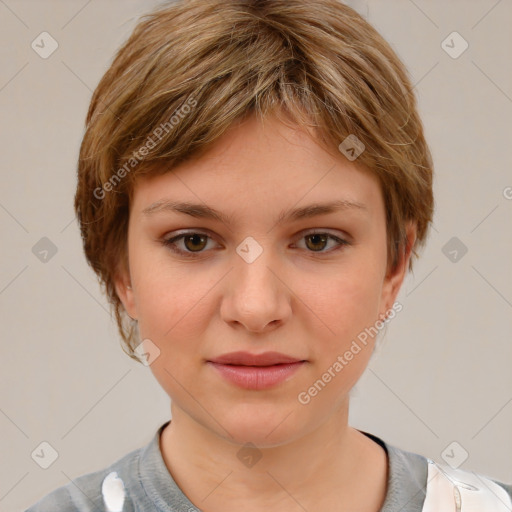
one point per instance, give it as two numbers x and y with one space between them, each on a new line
317 241
194 242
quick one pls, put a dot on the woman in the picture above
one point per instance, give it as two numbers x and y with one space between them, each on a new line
253 187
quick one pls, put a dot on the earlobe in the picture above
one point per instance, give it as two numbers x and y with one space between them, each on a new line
126 296
395 274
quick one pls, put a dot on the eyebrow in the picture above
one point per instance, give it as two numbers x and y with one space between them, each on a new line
206 212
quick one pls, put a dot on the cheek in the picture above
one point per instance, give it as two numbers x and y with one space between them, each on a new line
172 309
346 303
347 307
167 293
175 306
174 315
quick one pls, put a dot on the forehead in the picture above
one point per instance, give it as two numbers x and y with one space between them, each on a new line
262 165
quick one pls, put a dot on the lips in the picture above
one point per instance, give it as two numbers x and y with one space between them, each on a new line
256 371
248 359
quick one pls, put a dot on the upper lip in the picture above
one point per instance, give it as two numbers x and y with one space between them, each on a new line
248 359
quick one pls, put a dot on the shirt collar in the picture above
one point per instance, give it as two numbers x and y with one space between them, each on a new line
407 478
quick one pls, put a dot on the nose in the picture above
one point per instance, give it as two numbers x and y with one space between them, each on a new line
257 295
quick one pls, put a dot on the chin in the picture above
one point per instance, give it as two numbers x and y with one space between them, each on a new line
263 425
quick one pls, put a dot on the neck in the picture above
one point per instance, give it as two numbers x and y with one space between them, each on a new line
333 464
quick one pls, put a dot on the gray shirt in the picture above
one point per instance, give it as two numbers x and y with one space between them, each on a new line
150 487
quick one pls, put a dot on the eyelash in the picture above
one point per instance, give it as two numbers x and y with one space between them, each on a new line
170 243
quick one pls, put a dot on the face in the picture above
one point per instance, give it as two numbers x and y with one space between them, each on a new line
294 293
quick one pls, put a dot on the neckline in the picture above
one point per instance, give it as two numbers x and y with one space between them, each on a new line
165 494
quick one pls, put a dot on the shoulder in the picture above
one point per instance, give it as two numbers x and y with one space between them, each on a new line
465 489
418 484
88 492
442 483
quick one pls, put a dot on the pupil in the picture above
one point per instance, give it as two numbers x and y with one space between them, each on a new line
322 238
195 237
316 239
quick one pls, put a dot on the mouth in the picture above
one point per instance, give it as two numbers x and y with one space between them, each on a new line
256 371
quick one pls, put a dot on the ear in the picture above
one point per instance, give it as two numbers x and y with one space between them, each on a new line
395 275
125 292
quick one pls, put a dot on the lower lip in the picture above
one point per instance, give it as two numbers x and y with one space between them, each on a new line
257 377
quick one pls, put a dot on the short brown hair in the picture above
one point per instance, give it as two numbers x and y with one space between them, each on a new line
191 68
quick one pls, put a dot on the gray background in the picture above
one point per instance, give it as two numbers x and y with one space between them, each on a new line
442 373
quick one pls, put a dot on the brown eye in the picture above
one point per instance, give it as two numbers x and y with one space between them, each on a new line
188 244
318 241
195 242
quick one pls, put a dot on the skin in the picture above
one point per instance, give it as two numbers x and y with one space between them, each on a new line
299 297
